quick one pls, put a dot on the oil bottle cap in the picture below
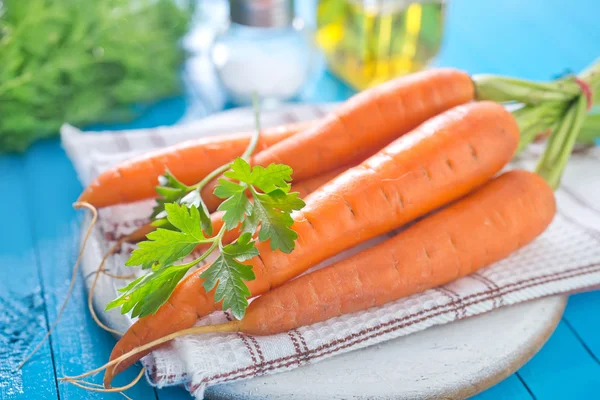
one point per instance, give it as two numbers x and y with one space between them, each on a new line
262 13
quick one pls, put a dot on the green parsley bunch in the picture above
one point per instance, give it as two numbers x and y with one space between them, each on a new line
256 198
84 61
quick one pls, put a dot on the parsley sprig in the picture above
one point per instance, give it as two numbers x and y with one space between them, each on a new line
256 198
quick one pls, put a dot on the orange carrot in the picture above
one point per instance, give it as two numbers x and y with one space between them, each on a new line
486 226
440 161
364 124
189 161
308 186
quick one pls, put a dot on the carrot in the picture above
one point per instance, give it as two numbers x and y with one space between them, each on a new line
440 161
486 226
308 186
364 124
189 161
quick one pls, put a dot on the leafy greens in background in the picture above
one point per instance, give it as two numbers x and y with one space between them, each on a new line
84 61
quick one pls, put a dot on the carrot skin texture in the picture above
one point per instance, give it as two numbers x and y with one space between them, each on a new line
189 161
365 123
440 161
486 226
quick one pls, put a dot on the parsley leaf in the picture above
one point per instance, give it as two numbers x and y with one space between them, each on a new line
194 200
228 274
236 205
171 190
275 176
166 246
145 295
240 171
258 198
85 62
270 209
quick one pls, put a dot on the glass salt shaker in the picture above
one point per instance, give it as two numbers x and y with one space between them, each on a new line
265 49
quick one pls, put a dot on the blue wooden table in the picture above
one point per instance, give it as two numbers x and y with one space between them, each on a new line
535 39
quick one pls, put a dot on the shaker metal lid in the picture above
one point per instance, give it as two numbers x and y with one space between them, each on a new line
262 13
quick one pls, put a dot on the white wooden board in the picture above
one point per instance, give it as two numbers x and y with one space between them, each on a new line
452 361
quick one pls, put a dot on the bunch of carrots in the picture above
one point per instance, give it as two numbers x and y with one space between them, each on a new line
426 145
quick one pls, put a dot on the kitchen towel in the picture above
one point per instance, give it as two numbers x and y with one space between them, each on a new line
565 259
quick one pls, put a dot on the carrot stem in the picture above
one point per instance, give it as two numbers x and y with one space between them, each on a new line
255 136
216 241
561 105
504 89
561 142
590 129
535 119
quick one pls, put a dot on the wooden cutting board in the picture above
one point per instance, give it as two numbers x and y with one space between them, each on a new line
452 361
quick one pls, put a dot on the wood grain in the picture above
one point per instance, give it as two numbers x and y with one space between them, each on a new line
22 310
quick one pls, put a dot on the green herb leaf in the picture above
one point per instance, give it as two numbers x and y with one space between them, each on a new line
236 206
187 219
275 176
240 171
242 249
164 246
84 62
228 274
272 211
193 199
145 295
170 190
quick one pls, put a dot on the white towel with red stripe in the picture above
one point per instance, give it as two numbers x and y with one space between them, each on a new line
565 259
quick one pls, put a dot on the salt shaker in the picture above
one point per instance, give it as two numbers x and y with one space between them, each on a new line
265 50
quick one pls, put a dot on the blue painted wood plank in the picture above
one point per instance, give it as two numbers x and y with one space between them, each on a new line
510 388
562 369
22 311
582 314
78 344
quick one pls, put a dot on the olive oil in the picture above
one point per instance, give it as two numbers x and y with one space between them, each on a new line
370 41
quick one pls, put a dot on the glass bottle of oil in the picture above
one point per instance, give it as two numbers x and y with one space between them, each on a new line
367 42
